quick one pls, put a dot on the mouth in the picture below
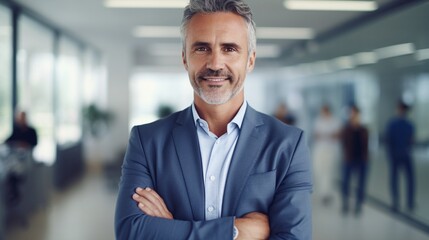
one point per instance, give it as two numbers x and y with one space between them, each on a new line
215 79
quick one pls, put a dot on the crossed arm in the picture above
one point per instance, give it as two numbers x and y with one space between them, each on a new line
251 226
148 217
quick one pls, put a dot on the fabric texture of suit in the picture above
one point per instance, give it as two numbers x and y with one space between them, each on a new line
269 173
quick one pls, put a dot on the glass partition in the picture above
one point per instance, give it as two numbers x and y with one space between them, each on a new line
35 69
68 93
95 82
5 73
151 93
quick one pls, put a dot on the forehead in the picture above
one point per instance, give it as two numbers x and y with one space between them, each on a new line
208 26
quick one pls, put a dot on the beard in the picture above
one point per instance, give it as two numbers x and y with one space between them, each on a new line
216 94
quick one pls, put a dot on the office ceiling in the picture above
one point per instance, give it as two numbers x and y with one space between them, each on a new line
100 26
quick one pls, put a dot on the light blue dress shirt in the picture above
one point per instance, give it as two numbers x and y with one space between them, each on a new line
216 154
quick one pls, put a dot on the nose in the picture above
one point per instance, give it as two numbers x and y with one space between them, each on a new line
215 61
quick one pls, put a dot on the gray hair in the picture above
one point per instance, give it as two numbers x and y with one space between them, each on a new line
211 6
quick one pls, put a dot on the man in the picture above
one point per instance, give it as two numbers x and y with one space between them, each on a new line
218 169
23 135
399 139
354 138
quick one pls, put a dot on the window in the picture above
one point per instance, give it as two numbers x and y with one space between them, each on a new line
151 91
68 93
95 81
35 68
5 74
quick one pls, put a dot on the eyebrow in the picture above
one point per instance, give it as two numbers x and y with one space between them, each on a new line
199 44
204 44
233 45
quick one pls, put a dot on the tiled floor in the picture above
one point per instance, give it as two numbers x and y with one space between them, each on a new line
86 211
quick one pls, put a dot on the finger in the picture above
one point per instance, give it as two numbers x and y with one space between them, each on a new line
146 210
161 201
154 199
147 206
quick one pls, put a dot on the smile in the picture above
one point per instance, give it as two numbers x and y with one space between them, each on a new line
215 79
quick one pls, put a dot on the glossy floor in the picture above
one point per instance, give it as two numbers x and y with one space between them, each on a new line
86 211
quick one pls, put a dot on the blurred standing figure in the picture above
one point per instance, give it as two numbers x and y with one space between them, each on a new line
282 113
399 139
354 138
23 135
325 152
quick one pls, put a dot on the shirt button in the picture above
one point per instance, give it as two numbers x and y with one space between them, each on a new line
212 178
218 141
210 209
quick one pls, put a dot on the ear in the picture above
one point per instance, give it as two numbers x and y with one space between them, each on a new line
185 63
251 62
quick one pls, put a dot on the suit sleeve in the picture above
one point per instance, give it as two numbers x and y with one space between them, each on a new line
290 212
132 223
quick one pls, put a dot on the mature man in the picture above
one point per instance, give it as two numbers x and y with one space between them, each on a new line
218 169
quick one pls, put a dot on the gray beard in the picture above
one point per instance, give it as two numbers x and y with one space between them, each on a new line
218 99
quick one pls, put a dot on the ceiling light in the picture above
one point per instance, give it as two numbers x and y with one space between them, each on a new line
395 50
364 58
284 33
330 5
344 62
145 3
157 32
262 32
422 54
268 51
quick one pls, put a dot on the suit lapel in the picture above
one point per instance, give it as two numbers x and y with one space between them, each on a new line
243 160
187 147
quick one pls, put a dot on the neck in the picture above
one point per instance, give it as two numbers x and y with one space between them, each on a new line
218 115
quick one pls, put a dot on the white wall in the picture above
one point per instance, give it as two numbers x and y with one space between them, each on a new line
119 65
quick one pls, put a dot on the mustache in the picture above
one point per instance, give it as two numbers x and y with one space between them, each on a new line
212 73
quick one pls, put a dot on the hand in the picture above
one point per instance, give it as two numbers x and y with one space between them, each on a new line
151 203
253 225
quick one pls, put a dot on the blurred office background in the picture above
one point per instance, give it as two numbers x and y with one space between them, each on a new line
86 71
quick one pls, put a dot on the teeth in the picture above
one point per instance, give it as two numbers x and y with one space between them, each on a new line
215 79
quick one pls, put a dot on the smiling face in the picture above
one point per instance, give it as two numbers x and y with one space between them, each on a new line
216 56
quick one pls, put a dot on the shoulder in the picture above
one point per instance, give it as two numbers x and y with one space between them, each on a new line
163 125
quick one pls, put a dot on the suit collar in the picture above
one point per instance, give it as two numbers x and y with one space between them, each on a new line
243 160
238 118
187 148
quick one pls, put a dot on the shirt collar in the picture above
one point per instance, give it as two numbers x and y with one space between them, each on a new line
238 118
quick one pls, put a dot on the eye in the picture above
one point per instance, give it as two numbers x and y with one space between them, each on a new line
201 49
230 49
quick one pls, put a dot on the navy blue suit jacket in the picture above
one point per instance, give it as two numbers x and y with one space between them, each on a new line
269 173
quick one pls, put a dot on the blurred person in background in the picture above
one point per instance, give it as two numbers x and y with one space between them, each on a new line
399 141
23 135
354 138
283 114
325 152
217 169
23 138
